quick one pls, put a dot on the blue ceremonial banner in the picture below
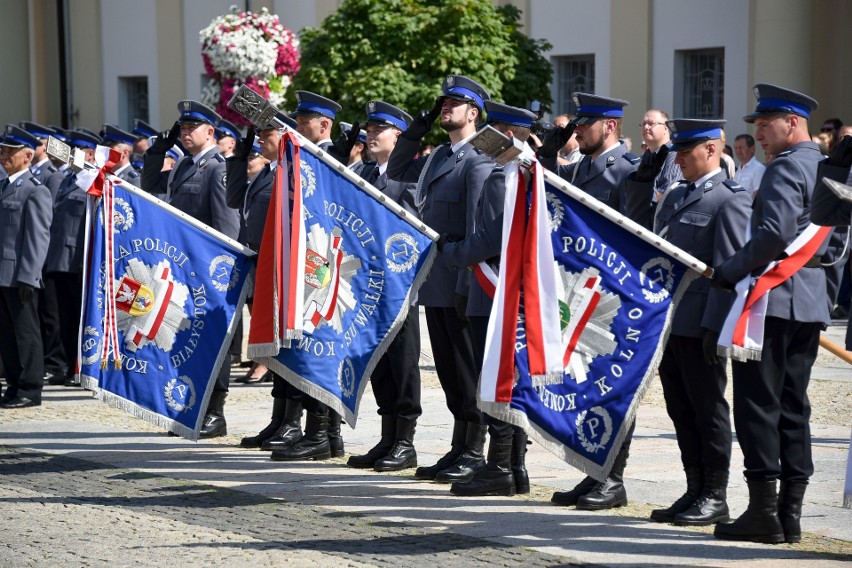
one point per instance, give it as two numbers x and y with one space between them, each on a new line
179 287
364 260
618 293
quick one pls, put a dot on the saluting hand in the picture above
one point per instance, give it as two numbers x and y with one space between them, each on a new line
841 154
554 139
651 164
421 125
244 146
165 140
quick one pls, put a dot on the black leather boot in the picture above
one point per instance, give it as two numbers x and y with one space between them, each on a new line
711 507
569 498
760 522
519 462
368 460
790 499
448 459
289 431
402 455
496 478
335 439
610 493
214 424
313 445
471 461
278 406
694 483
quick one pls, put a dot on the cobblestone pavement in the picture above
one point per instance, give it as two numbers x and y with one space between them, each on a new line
65 511
84 484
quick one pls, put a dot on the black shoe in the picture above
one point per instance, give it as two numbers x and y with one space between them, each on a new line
471 461
760 522
569 498
694 483
72 381
519 468
55 379
335 439
402 456
711 506
278 407
608 494
428 473
289 431
368 460
790 499
313 445
20 402
214 424
495 478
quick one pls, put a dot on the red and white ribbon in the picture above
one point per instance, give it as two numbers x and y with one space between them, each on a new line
741 337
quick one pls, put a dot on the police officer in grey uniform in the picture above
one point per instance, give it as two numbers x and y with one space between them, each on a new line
122 142
504 472
64 264
196 186
706 216
602 173
25 210
449 183
606 161
42 168
771 408
396 378
48 305
314 116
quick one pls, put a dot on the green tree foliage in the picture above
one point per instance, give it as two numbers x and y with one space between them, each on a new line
399 51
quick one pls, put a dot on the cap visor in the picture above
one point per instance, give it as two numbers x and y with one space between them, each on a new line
577 120
687 144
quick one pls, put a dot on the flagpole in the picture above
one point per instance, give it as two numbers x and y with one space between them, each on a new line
630 225
262 113
188 218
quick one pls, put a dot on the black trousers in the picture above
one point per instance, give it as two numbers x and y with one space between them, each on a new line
50 325
69 290
771 407
283 389
452 348
396 379
20 344
695 400
479 329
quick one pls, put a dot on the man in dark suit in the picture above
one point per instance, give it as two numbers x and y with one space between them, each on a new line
505 471
25 206
196 186
706 216
771 408
64 264
122 142
449 183
396 378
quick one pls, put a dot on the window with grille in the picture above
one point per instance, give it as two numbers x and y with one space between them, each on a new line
574 73
132 100
700 83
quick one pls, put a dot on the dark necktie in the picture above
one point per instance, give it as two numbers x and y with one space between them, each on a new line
374 176
3 185
183 168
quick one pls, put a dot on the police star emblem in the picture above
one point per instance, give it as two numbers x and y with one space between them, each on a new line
586 313
150 305
328 274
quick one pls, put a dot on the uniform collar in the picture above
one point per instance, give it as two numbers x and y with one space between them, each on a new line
700 181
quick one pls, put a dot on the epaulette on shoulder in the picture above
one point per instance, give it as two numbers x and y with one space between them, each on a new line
784 153
632 158
35 180
219 157
733 185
